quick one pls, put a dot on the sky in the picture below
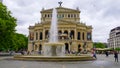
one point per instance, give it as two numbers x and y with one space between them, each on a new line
103 15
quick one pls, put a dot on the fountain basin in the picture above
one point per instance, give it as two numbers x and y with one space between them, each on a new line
55 58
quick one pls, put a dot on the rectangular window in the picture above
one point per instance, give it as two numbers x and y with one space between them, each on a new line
88 36
78 36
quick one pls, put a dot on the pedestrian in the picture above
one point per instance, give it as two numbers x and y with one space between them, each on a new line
22 53
106 53
116 56
28 52
94 54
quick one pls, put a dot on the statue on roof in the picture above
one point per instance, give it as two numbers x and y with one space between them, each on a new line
60 3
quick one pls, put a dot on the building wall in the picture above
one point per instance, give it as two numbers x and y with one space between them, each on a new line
114 38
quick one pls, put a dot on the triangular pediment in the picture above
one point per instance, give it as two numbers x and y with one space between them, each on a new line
60 9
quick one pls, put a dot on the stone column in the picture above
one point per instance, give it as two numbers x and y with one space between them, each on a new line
69 40
81 35
69 34
85 36
62 32
43 34
75 35
38 35
37 47
34 35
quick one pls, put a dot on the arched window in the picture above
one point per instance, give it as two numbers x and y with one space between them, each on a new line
36 35
68 15
48 15
88 36
72 34
31 36
78 37
83 36
59 32
65 32
40 47
41 35
35 47
46 34
45 15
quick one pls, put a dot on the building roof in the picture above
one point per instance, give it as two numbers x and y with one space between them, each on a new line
60 9
117 28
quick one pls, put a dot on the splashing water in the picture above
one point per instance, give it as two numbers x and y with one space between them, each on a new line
53 28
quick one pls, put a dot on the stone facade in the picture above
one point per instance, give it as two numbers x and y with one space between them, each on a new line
76 35
114 38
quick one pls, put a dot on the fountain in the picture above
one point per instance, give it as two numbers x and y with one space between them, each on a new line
54 50
53 47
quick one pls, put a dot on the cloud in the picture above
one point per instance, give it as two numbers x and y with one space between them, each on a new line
103 15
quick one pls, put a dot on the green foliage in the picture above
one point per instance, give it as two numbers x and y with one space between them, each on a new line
20 41
117 49
9 40
7 27
99 45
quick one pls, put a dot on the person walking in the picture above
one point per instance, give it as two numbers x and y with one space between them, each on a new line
106 53
94 54
116 56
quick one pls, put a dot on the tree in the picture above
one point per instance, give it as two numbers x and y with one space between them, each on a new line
7 28
117 49
99 45
20 42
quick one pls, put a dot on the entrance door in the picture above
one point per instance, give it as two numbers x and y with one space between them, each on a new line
66 47
40 48
79 48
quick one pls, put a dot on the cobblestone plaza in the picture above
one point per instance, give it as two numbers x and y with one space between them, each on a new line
101 62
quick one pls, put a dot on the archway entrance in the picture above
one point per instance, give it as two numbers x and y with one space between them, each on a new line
35 47
79 48
66 47
72 34
40 48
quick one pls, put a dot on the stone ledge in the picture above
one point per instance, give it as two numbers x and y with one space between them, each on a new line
55 58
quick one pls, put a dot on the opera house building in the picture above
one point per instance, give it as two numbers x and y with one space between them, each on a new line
75 35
